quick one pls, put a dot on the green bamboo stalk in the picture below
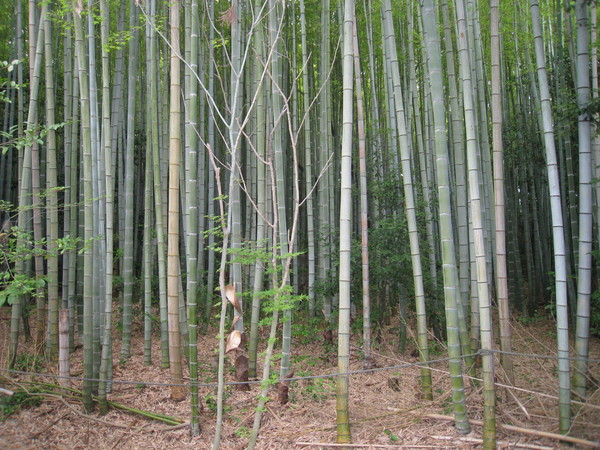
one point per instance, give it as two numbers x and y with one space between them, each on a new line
88 357
234 139
24 189
275 20
192 188
261 188
210 146
128 238
324 166
106 356
584 274
308 163
364 205
74 224
499 202
409 197
432 45
68 151
52 194
485 316
564 381
158 203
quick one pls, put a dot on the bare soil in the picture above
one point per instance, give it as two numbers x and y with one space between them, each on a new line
386 408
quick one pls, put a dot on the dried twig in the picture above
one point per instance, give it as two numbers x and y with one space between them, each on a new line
47 427
133 422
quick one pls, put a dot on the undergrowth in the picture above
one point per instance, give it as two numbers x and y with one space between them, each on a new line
19 400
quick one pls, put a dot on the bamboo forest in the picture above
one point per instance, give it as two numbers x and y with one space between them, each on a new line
299 224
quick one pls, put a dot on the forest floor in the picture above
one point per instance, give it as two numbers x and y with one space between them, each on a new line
386 408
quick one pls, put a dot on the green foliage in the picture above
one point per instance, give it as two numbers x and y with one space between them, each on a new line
392 436
326 287
28 362
211 403
389 242
120 39
20 399
217 232
16 285
18 245
271 381
317 389
34 134
8 84
243 432
282 299
435 349
593 110
305 332
446 403
250 252
531 319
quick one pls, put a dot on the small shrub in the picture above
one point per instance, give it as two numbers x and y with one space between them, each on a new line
20 399
27 362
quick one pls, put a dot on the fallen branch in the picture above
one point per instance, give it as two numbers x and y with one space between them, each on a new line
150 415
546 434
94 419
75 395
516 399
502 443
173 428
328 444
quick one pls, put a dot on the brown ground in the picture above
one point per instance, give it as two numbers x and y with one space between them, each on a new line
385 407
